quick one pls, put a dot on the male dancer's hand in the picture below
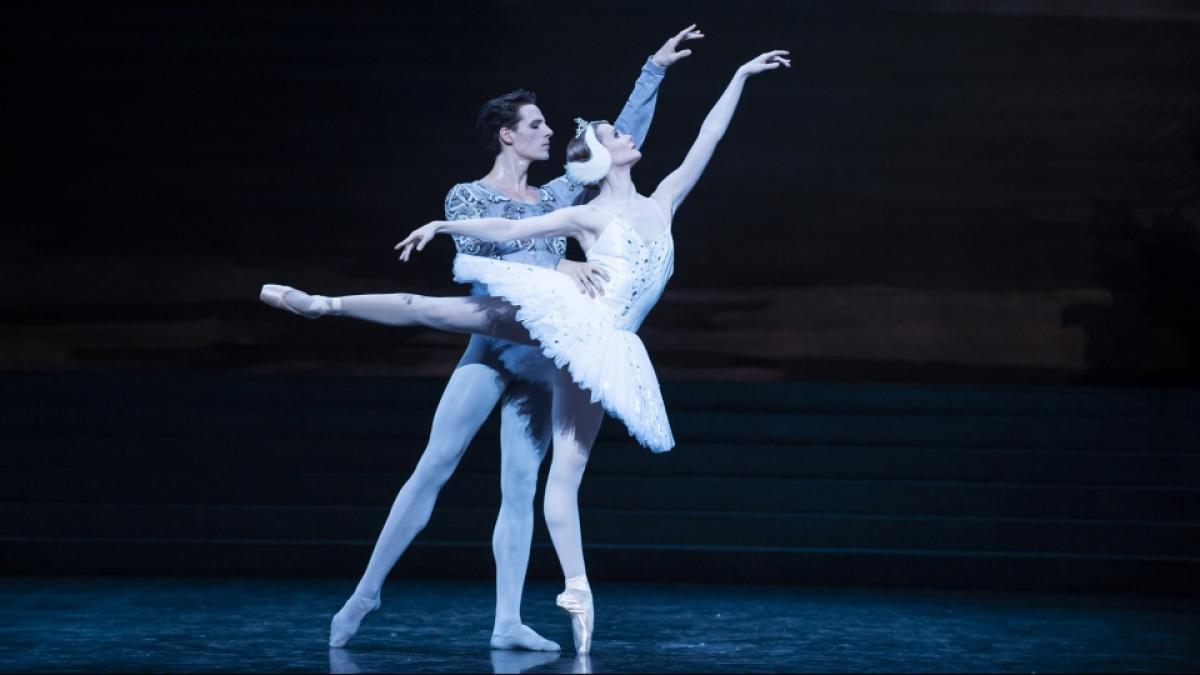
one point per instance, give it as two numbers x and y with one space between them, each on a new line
586 276
666 55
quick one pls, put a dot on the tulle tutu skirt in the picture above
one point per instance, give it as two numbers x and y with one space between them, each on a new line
579 332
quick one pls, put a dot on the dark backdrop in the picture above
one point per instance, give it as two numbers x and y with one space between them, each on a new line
1003 192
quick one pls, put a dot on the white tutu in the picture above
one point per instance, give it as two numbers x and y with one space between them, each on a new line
580 333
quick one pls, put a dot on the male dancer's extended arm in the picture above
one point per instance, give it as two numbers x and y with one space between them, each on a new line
638 111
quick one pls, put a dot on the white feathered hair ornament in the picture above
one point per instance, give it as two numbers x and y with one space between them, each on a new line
596 167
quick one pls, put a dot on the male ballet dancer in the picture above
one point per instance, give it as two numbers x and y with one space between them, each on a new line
490 371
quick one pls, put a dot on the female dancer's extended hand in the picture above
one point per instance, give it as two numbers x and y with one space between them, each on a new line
666 55
418 238
768 61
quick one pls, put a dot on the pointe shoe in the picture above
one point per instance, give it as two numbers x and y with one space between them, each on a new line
273 295
578 604
345 623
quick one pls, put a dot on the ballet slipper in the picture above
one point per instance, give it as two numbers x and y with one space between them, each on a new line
520 636
578 605
345 623
274 295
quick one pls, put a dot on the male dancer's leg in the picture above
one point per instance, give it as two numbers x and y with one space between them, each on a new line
473 390
524 438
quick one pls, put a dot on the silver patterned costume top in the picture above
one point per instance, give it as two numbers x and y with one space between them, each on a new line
476 200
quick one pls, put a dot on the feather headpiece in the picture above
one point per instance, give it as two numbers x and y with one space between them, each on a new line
592 171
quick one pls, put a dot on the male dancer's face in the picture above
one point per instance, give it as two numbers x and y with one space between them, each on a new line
531 138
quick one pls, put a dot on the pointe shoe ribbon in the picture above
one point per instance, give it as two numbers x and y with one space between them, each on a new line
578 604
346 622
273 295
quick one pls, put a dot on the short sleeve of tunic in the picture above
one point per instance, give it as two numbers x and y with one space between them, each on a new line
462 204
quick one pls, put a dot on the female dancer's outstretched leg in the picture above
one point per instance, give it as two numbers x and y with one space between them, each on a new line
576 422
475 314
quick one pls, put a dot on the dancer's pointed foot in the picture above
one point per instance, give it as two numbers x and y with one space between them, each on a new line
345 623
578 604
298 302
520 636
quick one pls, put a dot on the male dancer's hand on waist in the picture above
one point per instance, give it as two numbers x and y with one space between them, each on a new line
587 277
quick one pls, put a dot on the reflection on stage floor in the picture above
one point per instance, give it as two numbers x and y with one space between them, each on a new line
167 625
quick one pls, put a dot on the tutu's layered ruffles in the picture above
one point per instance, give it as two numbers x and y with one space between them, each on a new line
579 333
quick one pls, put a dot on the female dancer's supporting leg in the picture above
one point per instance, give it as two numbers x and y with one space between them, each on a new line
576 423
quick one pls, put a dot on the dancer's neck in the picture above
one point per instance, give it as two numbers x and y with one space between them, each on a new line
509 175
618 189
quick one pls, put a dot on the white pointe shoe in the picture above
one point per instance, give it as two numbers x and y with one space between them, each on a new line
273 295
578 604
345 623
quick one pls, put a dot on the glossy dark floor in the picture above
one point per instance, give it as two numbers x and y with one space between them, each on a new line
438 626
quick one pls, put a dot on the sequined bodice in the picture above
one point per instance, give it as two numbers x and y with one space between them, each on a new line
638 271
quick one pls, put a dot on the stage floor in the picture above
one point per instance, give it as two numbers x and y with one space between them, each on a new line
166 625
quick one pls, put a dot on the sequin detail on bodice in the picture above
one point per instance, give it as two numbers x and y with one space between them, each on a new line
638 271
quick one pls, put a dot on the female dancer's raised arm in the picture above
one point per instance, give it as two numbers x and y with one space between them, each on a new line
676 186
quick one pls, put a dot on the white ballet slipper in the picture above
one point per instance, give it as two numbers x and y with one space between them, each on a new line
520 636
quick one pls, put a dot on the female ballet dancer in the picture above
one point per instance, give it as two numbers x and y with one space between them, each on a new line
603 364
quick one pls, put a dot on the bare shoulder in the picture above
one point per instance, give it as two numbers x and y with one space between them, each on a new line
590 219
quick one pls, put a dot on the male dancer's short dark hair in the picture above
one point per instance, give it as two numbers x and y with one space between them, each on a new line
502 111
